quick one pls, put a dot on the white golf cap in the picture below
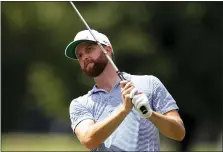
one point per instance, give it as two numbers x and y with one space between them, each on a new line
85 36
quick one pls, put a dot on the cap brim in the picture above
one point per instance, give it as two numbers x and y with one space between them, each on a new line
69 51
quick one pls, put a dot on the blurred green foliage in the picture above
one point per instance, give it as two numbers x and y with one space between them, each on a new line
179 42
48 89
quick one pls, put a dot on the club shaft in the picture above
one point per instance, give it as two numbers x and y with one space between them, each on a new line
101 47
79 14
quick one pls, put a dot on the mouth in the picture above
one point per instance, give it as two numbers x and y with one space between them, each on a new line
86 65
89 63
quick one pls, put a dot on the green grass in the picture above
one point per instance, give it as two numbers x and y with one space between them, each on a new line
67 142
40 142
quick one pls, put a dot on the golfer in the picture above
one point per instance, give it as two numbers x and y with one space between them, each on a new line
108 118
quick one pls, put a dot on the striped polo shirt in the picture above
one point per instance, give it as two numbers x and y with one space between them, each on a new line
134 133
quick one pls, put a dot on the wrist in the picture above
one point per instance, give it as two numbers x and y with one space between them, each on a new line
124 111
151 115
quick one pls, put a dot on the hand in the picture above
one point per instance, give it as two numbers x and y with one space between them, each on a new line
142 100
126 89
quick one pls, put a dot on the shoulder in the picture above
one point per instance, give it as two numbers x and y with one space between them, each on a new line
151 79
80 101
146 83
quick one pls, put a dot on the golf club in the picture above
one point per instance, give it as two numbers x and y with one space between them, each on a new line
142 108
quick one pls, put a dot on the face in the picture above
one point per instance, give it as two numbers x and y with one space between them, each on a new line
92 60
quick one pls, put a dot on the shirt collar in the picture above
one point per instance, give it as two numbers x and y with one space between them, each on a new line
127 76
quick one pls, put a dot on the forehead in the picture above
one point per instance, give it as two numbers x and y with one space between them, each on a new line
83 45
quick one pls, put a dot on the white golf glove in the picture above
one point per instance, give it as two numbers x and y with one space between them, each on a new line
140 100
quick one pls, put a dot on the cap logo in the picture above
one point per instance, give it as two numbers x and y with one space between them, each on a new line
105 42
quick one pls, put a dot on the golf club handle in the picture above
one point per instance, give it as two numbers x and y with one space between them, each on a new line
142 108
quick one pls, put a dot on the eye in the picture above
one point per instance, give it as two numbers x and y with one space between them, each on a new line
79 55
89 49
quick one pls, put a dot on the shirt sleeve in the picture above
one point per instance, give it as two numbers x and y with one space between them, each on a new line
78 112
162 99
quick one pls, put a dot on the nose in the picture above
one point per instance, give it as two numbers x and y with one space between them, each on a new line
84 56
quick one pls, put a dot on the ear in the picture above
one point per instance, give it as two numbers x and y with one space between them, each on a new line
109 50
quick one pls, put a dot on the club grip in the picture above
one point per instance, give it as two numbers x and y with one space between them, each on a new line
143 109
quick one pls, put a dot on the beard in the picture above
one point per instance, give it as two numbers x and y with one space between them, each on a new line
94 68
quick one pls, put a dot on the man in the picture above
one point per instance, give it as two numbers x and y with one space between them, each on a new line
108 118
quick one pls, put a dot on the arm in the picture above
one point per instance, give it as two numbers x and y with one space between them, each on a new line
169 124
93 134
165 116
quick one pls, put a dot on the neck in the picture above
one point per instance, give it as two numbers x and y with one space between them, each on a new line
107 79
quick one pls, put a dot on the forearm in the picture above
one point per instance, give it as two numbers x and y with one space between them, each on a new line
100 131
168 126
